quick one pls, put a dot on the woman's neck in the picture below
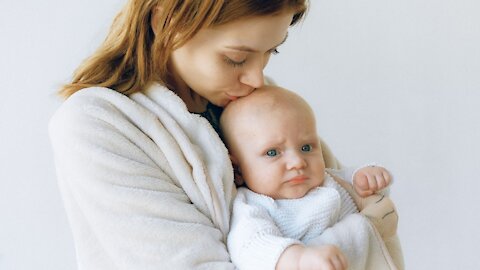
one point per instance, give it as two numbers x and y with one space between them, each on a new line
195 103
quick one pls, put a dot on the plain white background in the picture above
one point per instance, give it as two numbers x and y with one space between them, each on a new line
397 82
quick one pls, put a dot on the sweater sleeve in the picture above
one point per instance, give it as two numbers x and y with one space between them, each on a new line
351 236
254 241
126 209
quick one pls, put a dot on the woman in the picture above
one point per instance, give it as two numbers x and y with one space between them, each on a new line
146 180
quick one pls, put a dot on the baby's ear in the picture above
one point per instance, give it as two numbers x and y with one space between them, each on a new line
233 159
237 174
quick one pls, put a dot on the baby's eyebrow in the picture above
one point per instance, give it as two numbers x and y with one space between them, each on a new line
248 49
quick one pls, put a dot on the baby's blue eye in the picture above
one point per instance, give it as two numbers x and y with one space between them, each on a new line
306 148
272 153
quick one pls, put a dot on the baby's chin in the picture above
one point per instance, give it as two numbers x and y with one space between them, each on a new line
296 193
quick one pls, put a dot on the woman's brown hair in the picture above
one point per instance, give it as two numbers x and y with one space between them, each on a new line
132 55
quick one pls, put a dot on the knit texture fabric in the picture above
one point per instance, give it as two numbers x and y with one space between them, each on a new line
263 227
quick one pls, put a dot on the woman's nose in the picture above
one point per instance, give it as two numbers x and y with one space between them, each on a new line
253 75
296 161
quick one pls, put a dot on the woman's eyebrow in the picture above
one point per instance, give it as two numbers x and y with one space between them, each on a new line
248 49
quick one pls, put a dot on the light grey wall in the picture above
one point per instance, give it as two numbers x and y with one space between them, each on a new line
398 82
395 82
41 43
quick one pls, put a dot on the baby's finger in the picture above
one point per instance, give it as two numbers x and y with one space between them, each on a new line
381 181
372 182
361 181
387 176
339 262
343 260
336 262
364 193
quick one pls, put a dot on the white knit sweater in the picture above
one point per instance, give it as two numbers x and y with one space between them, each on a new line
262 228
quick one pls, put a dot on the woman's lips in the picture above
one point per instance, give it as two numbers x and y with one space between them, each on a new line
232 98
298 179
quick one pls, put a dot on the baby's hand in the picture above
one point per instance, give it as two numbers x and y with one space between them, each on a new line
323 257
371 179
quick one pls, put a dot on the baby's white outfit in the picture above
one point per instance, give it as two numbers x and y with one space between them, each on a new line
262 227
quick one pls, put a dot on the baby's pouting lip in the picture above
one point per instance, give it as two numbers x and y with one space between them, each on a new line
297 179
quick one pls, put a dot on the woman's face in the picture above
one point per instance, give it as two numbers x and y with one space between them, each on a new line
225 62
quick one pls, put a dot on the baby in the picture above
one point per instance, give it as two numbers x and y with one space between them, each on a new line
290 197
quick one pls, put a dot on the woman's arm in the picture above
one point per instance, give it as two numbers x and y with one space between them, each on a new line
124 203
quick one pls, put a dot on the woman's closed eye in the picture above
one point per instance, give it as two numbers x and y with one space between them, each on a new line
235 63
239 63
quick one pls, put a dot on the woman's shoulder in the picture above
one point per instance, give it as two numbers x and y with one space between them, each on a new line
99 97
99 110
92 97
94 107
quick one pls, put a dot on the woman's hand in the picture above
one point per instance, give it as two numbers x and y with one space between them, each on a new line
370 179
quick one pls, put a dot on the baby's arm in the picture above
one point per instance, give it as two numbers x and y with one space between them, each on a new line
254 240
321 257
370 179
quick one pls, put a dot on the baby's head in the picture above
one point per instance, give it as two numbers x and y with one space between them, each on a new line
271 135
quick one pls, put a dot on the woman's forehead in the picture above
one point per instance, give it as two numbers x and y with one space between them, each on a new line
251 34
